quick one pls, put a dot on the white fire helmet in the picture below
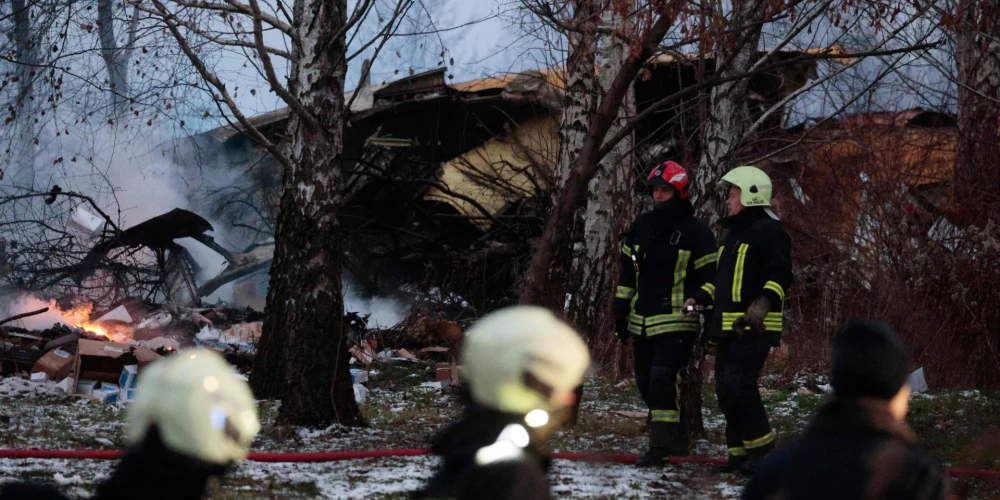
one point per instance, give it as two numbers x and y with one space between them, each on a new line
199 406
523 359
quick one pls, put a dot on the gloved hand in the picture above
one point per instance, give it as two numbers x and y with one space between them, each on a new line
621 328
690 302
753 318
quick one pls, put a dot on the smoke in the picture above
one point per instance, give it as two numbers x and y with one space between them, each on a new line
22 303
385 311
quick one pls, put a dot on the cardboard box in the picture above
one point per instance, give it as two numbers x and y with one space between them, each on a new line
57 364
104 361
359 376
129 377
86 387
66 385
128 397
65 340
107 393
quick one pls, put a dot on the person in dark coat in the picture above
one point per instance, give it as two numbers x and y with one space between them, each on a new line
667 256
192 419
522 368
753 274
858 446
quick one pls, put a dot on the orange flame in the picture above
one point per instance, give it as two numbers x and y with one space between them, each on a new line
79 317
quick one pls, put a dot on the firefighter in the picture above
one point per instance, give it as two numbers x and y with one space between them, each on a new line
858 446
192 419
521 368
754 270
667 256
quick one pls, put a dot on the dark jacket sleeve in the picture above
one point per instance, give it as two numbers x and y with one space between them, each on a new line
627 287
502 481
776 255
704 265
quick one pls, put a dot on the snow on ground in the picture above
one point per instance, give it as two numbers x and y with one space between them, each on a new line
404 414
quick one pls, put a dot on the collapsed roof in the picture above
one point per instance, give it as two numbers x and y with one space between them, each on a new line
432 165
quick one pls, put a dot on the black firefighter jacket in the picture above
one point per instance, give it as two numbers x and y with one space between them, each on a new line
754 259
667 256
471 469
854 450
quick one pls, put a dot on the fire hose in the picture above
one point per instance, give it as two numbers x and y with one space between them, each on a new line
332 456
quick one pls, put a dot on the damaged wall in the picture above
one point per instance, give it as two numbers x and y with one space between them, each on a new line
446 183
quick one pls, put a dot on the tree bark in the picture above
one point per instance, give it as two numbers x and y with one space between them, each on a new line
302 357
27 59
115 58
976 183
728 120
579 102
608 210
542 285
728 117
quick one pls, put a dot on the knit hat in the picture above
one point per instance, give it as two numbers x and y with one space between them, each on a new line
869 359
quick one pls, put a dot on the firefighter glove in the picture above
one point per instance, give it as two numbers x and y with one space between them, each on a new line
753 318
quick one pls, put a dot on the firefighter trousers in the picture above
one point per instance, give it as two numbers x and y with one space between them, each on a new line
738 362
659 359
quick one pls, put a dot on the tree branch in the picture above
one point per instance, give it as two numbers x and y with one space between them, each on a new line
209 77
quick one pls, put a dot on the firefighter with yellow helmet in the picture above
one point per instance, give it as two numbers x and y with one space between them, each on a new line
192 419
754 271
521 368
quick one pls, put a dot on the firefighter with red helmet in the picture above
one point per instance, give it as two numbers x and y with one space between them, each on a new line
667 256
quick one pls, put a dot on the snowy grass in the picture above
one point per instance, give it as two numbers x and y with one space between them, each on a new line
959 428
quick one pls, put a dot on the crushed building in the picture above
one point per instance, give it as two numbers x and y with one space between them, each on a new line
446 183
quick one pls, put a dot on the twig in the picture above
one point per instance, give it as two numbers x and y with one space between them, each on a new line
24 315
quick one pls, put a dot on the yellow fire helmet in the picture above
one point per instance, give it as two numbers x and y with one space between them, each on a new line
522 359
754 184
199 406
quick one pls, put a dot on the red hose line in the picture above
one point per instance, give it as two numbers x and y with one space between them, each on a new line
331 456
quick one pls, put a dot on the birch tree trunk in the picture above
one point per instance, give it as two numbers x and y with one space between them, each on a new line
728 120
303 355
579 102
608 211
27 59
976 184
728 117
115 58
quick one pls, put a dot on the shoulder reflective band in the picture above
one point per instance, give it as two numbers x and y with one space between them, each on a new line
776 288
706 260
710 288
626 250
680 272
625 292
741 258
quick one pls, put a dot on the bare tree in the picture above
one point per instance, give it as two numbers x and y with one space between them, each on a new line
26 57
302 357
116 58
977 168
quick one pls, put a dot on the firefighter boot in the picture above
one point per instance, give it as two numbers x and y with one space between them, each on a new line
681 442
754 457
662 441
733 465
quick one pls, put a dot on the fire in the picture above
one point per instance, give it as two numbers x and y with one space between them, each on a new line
79 317
92 328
